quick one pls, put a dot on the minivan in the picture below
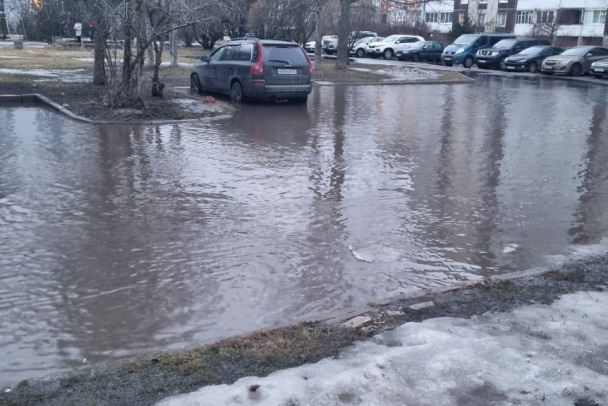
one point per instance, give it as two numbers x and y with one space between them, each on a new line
252 68
493 57
463 50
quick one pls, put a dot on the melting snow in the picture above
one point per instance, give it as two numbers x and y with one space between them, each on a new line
534 355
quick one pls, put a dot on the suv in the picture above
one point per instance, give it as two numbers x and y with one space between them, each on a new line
255 68
462 50
329 43
391 44
494 57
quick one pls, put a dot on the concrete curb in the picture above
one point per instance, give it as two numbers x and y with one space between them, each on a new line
346 316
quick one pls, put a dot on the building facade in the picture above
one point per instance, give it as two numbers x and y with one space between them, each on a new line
564 22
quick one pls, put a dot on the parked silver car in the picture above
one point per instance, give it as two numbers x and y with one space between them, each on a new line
573 61
257 69
599 68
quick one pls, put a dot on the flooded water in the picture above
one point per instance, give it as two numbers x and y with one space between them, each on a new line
117 240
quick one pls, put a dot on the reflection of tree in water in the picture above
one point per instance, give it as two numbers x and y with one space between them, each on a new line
128 275
468 175
321 275
592 212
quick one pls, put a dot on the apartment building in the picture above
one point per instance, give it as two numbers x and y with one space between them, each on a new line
437 15
565 22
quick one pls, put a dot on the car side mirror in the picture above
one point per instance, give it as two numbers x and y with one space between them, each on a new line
205 58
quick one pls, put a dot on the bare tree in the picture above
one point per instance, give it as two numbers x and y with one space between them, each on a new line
547 23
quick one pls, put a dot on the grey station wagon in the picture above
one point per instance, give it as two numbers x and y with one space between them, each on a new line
252 68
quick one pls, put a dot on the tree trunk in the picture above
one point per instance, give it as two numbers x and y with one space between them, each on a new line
100 76
343 31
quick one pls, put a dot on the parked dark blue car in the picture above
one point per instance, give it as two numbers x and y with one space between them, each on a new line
530 59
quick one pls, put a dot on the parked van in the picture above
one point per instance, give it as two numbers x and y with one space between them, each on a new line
463 50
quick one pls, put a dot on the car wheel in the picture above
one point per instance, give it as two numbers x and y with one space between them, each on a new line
501 64
387 54
576 70
360 53
416 58
236 93
532 67
468 62
195 84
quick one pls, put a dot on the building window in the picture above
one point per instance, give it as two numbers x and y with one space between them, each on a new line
524 17
481 18
501 19
595 17
430 17
570 16
445 18
545 16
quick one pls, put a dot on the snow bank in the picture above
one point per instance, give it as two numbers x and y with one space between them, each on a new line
534 355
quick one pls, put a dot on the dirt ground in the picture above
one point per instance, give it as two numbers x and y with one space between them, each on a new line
147 379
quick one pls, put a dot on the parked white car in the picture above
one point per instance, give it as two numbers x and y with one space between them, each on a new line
360 48
389 45
310 46
329 44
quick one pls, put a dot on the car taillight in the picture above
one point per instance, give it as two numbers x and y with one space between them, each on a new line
257 69
311 65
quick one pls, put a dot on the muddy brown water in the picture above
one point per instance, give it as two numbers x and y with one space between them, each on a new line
116 240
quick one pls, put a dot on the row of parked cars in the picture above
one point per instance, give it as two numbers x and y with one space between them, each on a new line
490 51
511 53
281 70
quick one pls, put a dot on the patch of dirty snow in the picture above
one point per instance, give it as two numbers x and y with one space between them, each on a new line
69 76
534 355
399 73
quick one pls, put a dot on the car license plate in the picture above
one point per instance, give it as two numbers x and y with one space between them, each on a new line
510 67
482 60
548 67
599 69
447 58
282 71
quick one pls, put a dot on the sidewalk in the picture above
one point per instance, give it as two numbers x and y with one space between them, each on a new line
533 355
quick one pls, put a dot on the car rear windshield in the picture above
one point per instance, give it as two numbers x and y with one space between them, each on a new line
287 54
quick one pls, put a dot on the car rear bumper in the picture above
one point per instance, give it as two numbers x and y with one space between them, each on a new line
275 92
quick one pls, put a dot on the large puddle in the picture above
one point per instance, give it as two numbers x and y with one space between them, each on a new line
122 239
